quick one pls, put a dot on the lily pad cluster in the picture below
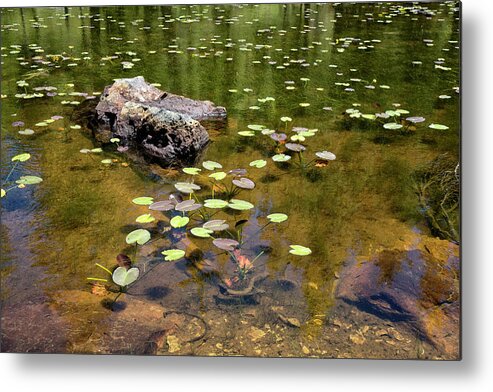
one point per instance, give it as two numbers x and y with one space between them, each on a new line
22 181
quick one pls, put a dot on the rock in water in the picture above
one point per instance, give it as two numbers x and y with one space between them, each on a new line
416 288
161 126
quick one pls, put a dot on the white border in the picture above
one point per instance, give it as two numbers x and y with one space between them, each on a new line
91 373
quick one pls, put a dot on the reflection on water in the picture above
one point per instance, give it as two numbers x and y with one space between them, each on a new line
370 58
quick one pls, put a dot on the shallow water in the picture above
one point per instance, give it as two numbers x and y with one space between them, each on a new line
363 202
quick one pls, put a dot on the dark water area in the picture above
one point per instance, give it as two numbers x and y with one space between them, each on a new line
334 69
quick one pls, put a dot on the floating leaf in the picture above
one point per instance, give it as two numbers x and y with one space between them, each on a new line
415 119
173 254
259 163
139 236
255 127
281 158
244 183
298 138
123 277
143 201
29 180
106 161
277 217
215 203
21 157
218 176
187 187
165 205
299 250
96 150
295 147
188 205
267 131
392 126
278 137
145 218
216 225
246 133
179 221
77 127
192 170
286 119
369 116
304 104
211 165
439 127
226 244
201 232
238 172
41 124
326 155
26 132
241 205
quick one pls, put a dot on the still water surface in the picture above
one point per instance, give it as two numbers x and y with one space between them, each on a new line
334 57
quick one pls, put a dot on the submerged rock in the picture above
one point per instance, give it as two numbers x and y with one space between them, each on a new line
417 288
161 126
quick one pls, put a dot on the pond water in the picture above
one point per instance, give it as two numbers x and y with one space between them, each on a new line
322 65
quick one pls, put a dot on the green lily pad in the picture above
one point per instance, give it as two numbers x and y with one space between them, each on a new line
241 205
439 127
123 277
201 232
179 221
215 203
218 175
187 187
211 165
143 201
281 158
145 218
255 127
41 124
139 236
26 132
392 126
246 133
107 161
192 170
96 150
325 155
277 217
300 250
173 254
29 180
21 157
259 163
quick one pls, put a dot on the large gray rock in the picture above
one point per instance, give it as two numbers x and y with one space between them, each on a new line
164 127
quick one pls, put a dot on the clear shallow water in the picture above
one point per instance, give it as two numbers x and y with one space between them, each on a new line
364 201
